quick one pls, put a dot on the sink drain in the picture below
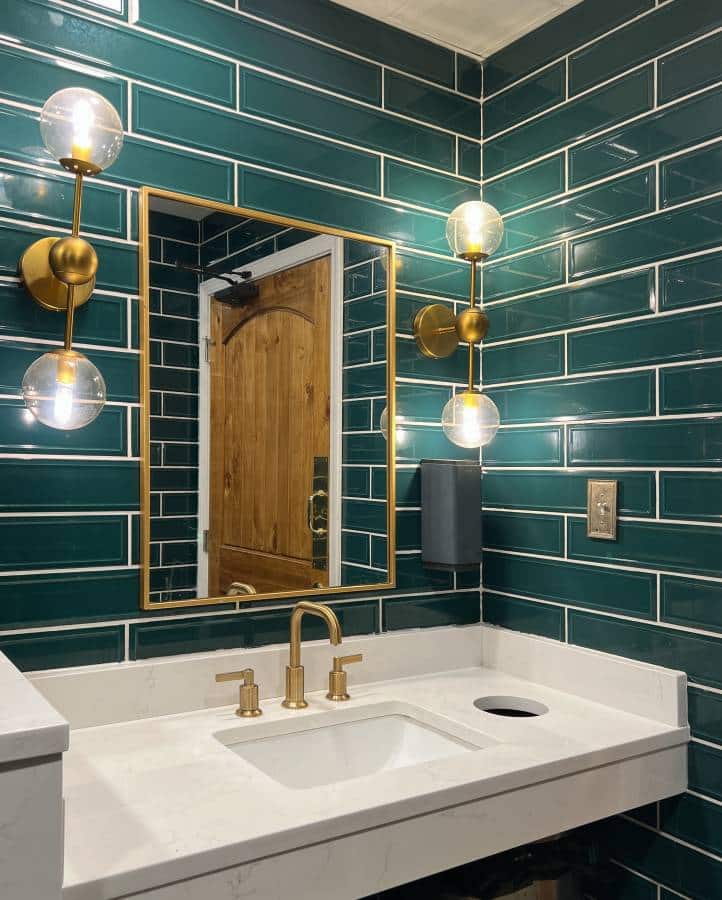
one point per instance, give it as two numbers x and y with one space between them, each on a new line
511 707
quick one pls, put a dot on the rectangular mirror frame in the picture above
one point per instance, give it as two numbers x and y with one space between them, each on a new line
145 195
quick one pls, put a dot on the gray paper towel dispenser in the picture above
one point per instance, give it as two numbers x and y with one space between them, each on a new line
450 514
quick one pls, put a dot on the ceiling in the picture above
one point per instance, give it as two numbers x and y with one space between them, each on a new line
478 27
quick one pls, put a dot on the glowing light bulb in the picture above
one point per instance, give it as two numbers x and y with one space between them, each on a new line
63 407
474 230
81 125
63 389
83 122
470 419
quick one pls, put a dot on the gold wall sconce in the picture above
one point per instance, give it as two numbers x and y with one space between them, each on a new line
474 231
62 388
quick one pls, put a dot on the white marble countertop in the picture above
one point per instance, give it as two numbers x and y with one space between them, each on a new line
158 800
29 726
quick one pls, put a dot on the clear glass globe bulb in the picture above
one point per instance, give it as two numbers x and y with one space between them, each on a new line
402 434
474 230
77 124
63 389
470 419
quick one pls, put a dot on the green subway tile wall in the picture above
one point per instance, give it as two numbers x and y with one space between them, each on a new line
603 150
278 105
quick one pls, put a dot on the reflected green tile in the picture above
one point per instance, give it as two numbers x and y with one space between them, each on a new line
357 281
422 101
689 389
424 188
408 487
678 548
685 495
412 574
691 176
364 448
63 542
33 485
361 34
355 548
692 442
590 586
523 615
417 442
431 612
58 649
177 120
571 122
364 515
272 193
524 274
525 447
690 69
378 484
665 131
566 491
640 40
556 38
526 99
379 552
691 282
357 416
356 482
694 821
179 504
469 159
705 714
658 237
378 343
338 118
125 52
694 335
523 533
365 381
595 398
536 182
357 348
19 433
410 363
625 198
525 360
429 275
691 603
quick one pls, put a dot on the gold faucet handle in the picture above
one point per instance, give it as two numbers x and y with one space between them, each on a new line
337 681
248 697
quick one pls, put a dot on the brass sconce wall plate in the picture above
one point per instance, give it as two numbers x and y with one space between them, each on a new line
41 283
435 331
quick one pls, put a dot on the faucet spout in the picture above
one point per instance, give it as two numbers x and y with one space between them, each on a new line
294 670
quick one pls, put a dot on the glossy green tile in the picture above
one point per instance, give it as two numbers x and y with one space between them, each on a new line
364 515
694 821
614 201
641 40
364 448
57 649
272 193
355 548
705 770
705 714
691 282
356 482
379 484
694 335
658 237
365 381
525 447
590 586
417 442
429 275
689 389
691 176
523 533
408 487
526 99
357 416
36 600
151 639
462 608
685 495
338 118
621 884
522 361
571 122
20 433
679 548
595 398
611 298
408 529
360 34
691 603
698 655
422 101
412 574
420 403
255 42
178 120
536 182
469 158
690 69
125 52
424 188
358 281
665 131
523 615
34 485
63 542
524 274
468 75
410 363
556 38
357 348
566 491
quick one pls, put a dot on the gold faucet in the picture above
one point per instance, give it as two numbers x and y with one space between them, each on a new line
294 671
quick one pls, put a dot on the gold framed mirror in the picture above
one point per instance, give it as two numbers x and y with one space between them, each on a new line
267 389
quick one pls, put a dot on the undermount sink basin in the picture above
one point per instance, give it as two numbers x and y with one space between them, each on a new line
326 748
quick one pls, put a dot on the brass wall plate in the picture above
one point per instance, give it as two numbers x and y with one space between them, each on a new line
602 510
435 331
40 282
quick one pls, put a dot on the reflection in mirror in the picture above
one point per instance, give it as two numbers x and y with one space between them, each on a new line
268 379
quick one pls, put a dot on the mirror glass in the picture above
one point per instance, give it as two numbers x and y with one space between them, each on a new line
267 374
